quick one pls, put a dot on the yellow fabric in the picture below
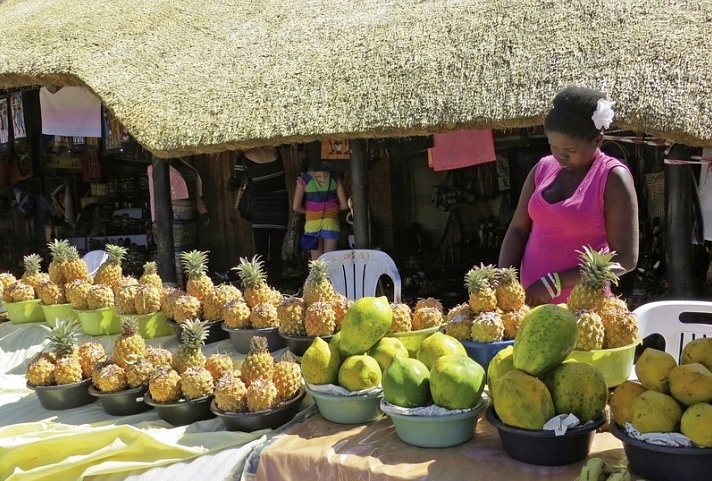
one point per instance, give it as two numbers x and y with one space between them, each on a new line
46 450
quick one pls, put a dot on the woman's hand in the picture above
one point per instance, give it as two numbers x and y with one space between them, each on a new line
537 294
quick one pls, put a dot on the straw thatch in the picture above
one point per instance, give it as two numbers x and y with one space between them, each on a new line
193 76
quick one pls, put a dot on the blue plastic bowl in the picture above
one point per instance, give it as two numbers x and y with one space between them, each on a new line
348 409
483 352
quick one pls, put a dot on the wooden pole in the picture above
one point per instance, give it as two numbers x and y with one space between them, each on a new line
164 220
678 225
359 189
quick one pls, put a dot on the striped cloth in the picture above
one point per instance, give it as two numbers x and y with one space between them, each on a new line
270 201
322 207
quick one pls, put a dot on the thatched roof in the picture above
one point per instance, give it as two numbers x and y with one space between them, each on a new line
195 76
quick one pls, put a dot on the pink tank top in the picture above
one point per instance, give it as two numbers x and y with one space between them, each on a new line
562 228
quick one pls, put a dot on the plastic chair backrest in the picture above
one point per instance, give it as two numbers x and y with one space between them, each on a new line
94 259
355 273
678 322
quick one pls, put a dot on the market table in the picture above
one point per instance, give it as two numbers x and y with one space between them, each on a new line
318 449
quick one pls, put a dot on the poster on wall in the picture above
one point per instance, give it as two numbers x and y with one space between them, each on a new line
112 132
17 113
4 126
335 150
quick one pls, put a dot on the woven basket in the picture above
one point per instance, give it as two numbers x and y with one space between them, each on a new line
655 191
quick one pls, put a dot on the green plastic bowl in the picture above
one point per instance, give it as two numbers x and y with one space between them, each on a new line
24 311
150 325
438 431
412 339
348 409
58 311
616 364
99 322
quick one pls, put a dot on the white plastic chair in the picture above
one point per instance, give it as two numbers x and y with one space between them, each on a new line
678 322
355 273
94 259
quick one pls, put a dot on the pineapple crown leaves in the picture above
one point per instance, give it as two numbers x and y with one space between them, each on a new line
194 333
318 270
129 326
150 268
58 249
72 253
475 281
505 276
64 336
251 272
116 253
194 262
32 263
597 267
258 344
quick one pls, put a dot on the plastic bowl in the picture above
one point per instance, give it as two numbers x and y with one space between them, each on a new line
99 322
348 409
150 325
241 338
438 431
267 419
24 311
299 344
63 396
665 463
122 403
215 333
483 352
412 339
58 311
544 447
183 412
616 364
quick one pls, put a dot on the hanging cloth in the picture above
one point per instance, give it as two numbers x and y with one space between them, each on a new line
71 111
461 148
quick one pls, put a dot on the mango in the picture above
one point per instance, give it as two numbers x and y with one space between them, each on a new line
320 363
690 383
456 382
577 388
699 350
406 383
622 398
436 345
522 401
366 321
655 412
500 364
652 369
385 350
696 424
359 372
546 337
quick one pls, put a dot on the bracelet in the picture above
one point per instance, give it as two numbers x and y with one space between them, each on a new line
556 282
548 287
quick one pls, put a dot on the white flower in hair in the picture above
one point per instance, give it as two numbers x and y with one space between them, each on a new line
603 116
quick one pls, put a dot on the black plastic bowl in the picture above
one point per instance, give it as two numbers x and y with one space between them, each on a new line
665 463
122 403
63 396
299 344
215 334
182 412
241 338
267 419
544 447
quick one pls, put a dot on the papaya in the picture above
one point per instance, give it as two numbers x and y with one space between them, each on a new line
690 383
655 412
436 345
359 372
522 401
546 337
387 349
699 350
696 424
320 363
577 388
406 383
456 382
500 364
366 321
622 398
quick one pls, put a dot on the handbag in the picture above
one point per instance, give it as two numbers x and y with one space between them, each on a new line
309 242
245 198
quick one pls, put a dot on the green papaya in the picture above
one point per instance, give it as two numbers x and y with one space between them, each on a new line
456 382
577 388
406 383
500 364
366 321
522 401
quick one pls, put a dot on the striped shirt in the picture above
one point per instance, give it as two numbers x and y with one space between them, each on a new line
322 206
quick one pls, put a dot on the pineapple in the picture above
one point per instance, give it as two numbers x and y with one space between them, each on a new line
195 265
129 343
52 294
261 395
620 328
63 343
190 351
75 267
482 296
40 371
138 371
458 310
159 356
110 378
341 305
100 296
186 308
612 303
32 275
150 276
125 300
125 281
487 327
164 385
426 317
22 292
237 315
217 299
6 280
512 321
290 313
264 315
318 287
89 354
55 269
77 293
67 370
7 292
510 293
320 319
596 274
460 327
258 364
169 295
402 318
254 285
218 364
287 379
110 272
196 382
147 300
230 393
589 333
428 302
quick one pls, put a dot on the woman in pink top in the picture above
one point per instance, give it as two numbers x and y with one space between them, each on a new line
575 197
